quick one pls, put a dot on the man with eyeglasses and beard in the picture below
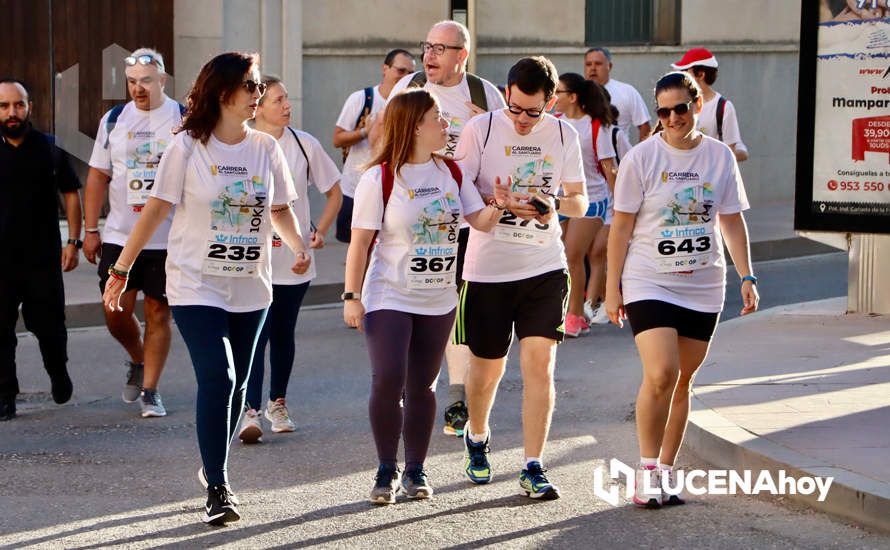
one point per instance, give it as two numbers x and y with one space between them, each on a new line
515 276
129 144
461 96
351 132
32 173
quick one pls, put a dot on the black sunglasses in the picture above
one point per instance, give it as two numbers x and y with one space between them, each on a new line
252 85
680 109
144 59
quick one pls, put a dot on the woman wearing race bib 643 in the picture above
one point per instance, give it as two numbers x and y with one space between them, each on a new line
230 185
413 201
678 196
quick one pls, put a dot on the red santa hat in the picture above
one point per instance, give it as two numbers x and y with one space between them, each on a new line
696 56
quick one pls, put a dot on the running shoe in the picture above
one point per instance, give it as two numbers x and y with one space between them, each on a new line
220 509
202 477
415 483
62 388
133 387
673 496
386 484
596 314
276 413
535 483
647 487
151 404
476 466
7 408
456 417
251 427
575 325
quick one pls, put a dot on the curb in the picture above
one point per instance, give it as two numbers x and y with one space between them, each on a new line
722 443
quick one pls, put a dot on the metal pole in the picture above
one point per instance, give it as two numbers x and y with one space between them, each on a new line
474 44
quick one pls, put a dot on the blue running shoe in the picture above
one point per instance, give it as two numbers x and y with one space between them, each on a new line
535 484
476 466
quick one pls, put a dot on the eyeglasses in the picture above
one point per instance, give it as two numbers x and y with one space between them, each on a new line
438 49
144 59
401 70
681 109
563 92
534 113
253 85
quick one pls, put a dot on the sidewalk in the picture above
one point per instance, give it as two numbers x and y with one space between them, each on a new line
805 389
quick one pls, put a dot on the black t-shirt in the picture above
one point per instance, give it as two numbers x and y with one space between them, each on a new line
31 177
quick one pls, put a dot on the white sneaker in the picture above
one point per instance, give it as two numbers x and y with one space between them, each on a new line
151 404
647 487
251 427
595 314
276 413
674 494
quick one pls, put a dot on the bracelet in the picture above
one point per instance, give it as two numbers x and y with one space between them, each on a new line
118 274
280 209
91 230
751 278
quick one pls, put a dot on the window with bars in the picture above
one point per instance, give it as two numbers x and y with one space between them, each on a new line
610 22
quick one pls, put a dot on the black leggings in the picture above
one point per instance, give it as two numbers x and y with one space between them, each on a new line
406 352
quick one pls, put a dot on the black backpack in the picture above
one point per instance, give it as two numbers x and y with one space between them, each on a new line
477 89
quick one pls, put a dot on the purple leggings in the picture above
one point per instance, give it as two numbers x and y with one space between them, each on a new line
406 352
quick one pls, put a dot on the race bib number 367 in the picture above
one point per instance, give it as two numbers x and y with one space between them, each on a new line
432 266
683 248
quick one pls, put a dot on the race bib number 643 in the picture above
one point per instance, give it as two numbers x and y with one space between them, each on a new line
683 248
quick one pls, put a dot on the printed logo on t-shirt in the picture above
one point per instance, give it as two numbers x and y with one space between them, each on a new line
685 238
224 170
668 176
142 167
422 192
534 175
522 151
455 127
141 134
432 261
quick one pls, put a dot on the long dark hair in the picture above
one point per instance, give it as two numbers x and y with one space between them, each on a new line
591 97
403 115
218 80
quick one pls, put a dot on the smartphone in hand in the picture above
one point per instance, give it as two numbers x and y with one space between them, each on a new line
541 205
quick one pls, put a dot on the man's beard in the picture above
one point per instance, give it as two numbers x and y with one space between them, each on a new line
14 132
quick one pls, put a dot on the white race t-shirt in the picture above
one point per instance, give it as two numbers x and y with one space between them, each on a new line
539 162
597 188
453 103
622 143
323 174
360 153
707 122
135 147
632 110
218 252
414 263
676 251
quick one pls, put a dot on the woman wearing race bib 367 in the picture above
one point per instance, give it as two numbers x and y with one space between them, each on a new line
678 196
230 185
407 303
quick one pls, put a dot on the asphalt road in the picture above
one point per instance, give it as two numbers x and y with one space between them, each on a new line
92 474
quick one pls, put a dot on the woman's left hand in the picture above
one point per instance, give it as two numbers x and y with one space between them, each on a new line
301 264
750 297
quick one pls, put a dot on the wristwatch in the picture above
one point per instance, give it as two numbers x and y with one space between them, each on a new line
78 244
751 278
350 296
556 203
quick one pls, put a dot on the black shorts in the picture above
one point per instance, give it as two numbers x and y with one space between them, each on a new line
488 312
146 274
646 314
343 232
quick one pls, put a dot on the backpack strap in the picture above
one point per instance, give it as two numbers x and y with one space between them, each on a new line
477 91
369 104
302 149
488 132
615 143
387 181
562 139
454 168
182 109
418 80
594 134
111 121
721 107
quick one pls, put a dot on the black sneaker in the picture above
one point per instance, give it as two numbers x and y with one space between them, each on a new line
386 485
220 509
202 477
415 483
456 417
476 465
7 408
62 386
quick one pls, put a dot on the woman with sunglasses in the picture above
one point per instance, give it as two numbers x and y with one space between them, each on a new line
407 303
678 196
584 105
230 185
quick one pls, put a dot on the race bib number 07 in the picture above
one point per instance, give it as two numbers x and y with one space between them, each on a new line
139 184
683 248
